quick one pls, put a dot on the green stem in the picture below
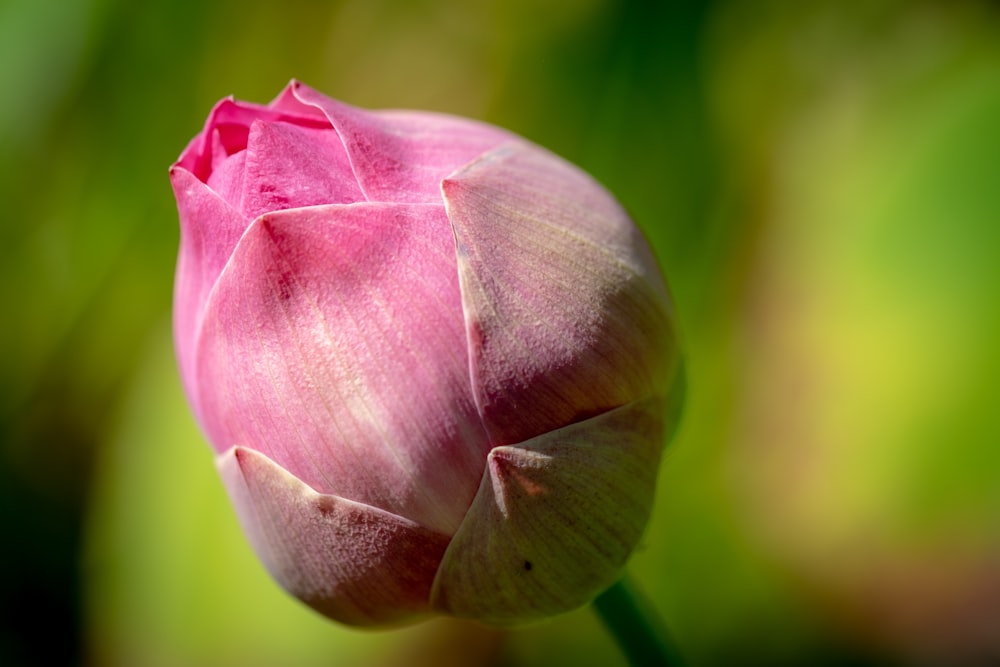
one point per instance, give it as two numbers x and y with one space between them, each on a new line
640 632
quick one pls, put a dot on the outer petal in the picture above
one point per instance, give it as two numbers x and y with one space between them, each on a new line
334 344
354 563
567 315
210 229
401 156
555 518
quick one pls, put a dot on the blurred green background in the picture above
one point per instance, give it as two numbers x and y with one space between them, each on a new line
821 181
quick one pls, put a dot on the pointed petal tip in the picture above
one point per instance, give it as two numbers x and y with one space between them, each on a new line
178 172
499 152
240 454
306 94
351 562
555 519
448 185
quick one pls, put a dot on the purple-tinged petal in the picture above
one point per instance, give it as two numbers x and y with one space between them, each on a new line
566 313
210 230
402 156
289 166
334 344
354 563
555 519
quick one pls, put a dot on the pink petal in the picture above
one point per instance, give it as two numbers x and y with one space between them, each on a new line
354 563
288 103
334 344
227 174
210 229
229 123
566 312
402 156
555 519
289 166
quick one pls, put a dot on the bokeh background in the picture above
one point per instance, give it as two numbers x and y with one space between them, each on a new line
821 181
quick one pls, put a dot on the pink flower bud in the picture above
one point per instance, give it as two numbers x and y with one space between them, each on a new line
432 358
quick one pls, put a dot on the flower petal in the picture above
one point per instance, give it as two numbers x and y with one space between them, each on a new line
401 156
228 171
352 562
288 103
210 229
289 166
229 123
334 344
566 313
555 518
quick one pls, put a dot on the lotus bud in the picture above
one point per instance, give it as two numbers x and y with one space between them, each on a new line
432 358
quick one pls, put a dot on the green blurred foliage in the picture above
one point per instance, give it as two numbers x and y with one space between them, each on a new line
821 181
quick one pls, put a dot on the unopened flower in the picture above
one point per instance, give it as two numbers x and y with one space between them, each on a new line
432 358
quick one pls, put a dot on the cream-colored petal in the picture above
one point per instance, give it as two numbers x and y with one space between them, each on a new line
352 562
555 518
565 310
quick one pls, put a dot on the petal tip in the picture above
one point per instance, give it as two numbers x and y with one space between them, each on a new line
349 561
